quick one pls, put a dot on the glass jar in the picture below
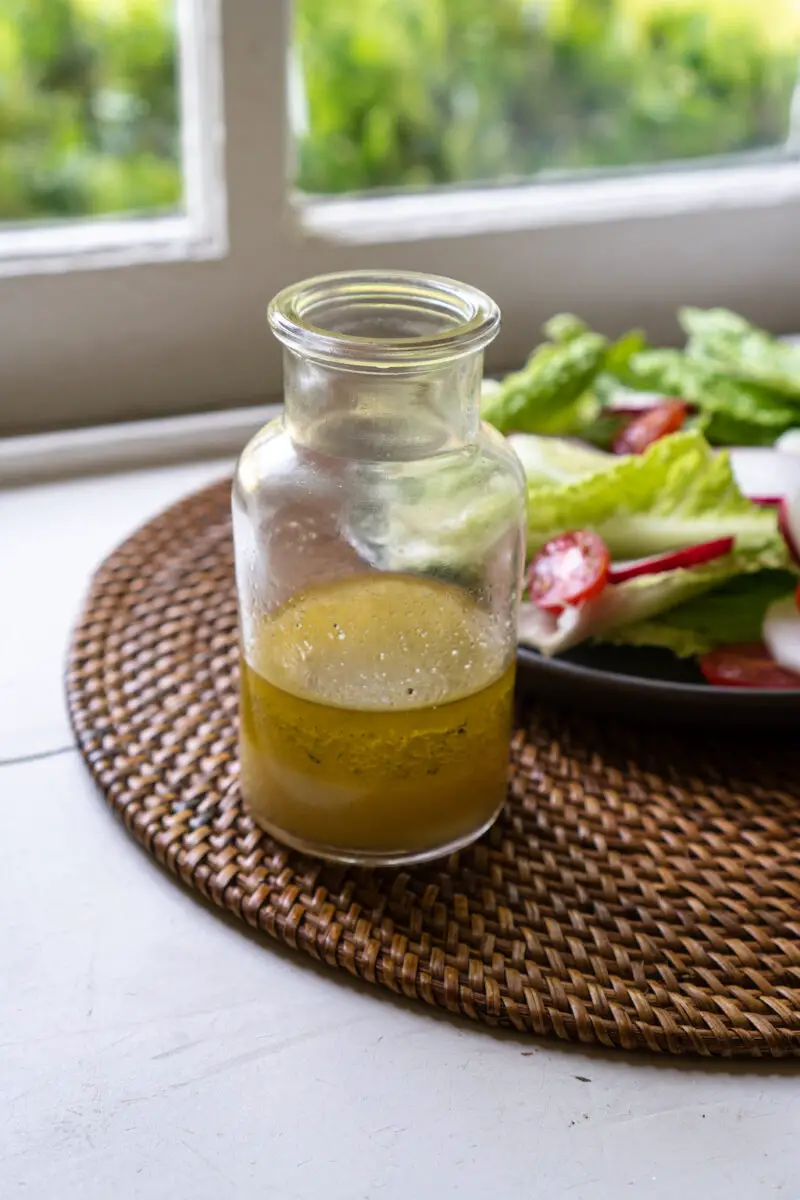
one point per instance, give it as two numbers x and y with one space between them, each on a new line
378 533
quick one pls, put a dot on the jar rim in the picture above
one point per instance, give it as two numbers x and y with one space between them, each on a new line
458 319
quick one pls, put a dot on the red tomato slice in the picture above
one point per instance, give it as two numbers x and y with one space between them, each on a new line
748 665
650 426
568 570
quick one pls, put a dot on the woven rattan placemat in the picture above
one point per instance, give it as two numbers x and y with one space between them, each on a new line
640 890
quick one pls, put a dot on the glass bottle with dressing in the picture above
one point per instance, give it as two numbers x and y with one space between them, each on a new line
379 531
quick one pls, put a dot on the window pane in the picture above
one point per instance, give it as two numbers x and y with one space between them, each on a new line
413 93
88 109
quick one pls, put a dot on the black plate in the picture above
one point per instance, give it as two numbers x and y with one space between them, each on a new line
649 684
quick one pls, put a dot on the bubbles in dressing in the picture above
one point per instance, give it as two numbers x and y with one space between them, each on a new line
376 713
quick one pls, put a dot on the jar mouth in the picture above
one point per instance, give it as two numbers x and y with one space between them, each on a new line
377 320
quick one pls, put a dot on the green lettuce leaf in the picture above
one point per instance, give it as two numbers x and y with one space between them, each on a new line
550 394
721 429
755 414
619 359
547 460
625 606
733 612
742 350
678 493
564 327
685 643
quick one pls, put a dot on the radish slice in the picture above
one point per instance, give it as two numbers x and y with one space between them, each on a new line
633 404
627 402
782 633
691 556
761 473
766 501
789 524
789 442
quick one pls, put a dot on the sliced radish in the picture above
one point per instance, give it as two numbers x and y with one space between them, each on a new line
633 404
615 409
766 501
782 633
548 632
626 401
789 442
765 473
673 560
789 524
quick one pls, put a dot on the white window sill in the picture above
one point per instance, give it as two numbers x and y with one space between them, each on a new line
126 446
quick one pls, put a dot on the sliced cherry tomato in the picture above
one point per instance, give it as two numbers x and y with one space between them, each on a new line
650 426
748 665
568 570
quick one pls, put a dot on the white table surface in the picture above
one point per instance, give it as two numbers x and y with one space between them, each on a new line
151 1049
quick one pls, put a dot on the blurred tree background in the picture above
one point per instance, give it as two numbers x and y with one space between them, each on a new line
88 108
424 92
392 93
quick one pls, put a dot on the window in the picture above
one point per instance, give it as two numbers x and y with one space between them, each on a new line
614 157
430 92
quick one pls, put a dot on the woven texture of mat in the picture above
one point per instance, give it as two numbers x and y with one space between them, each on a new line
640 890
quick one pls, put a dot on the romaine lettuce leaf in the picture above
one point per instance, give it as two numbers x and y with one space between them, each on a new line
678 493
757 413
733 612
742 350
549 394
564 327
623 605
547 460
619 357
685 643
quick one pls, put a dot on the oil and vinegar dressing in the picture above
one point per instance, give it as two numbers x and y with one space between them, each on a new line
375 715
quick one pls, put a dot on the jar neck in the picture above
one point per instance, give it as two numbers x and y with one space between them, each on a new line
382 416
383 366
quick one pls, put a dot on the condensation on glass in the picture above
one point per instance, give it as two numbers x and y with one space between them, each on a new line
379 532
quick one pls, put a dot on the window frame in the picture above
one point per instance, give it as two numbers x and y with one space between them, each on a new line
178 325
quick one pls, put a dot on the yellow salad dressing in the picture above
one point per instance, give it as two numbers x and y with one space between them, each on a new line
375 714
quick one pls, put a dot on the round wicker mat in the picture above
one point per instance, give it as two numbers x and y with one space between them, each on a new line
641 889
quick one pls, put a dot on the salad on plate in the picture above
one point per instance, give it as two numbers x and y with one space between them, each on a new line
663 494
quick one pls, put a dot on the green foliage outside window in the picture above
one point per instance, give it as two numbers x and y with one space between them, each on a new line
88 108
397 93
438 91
